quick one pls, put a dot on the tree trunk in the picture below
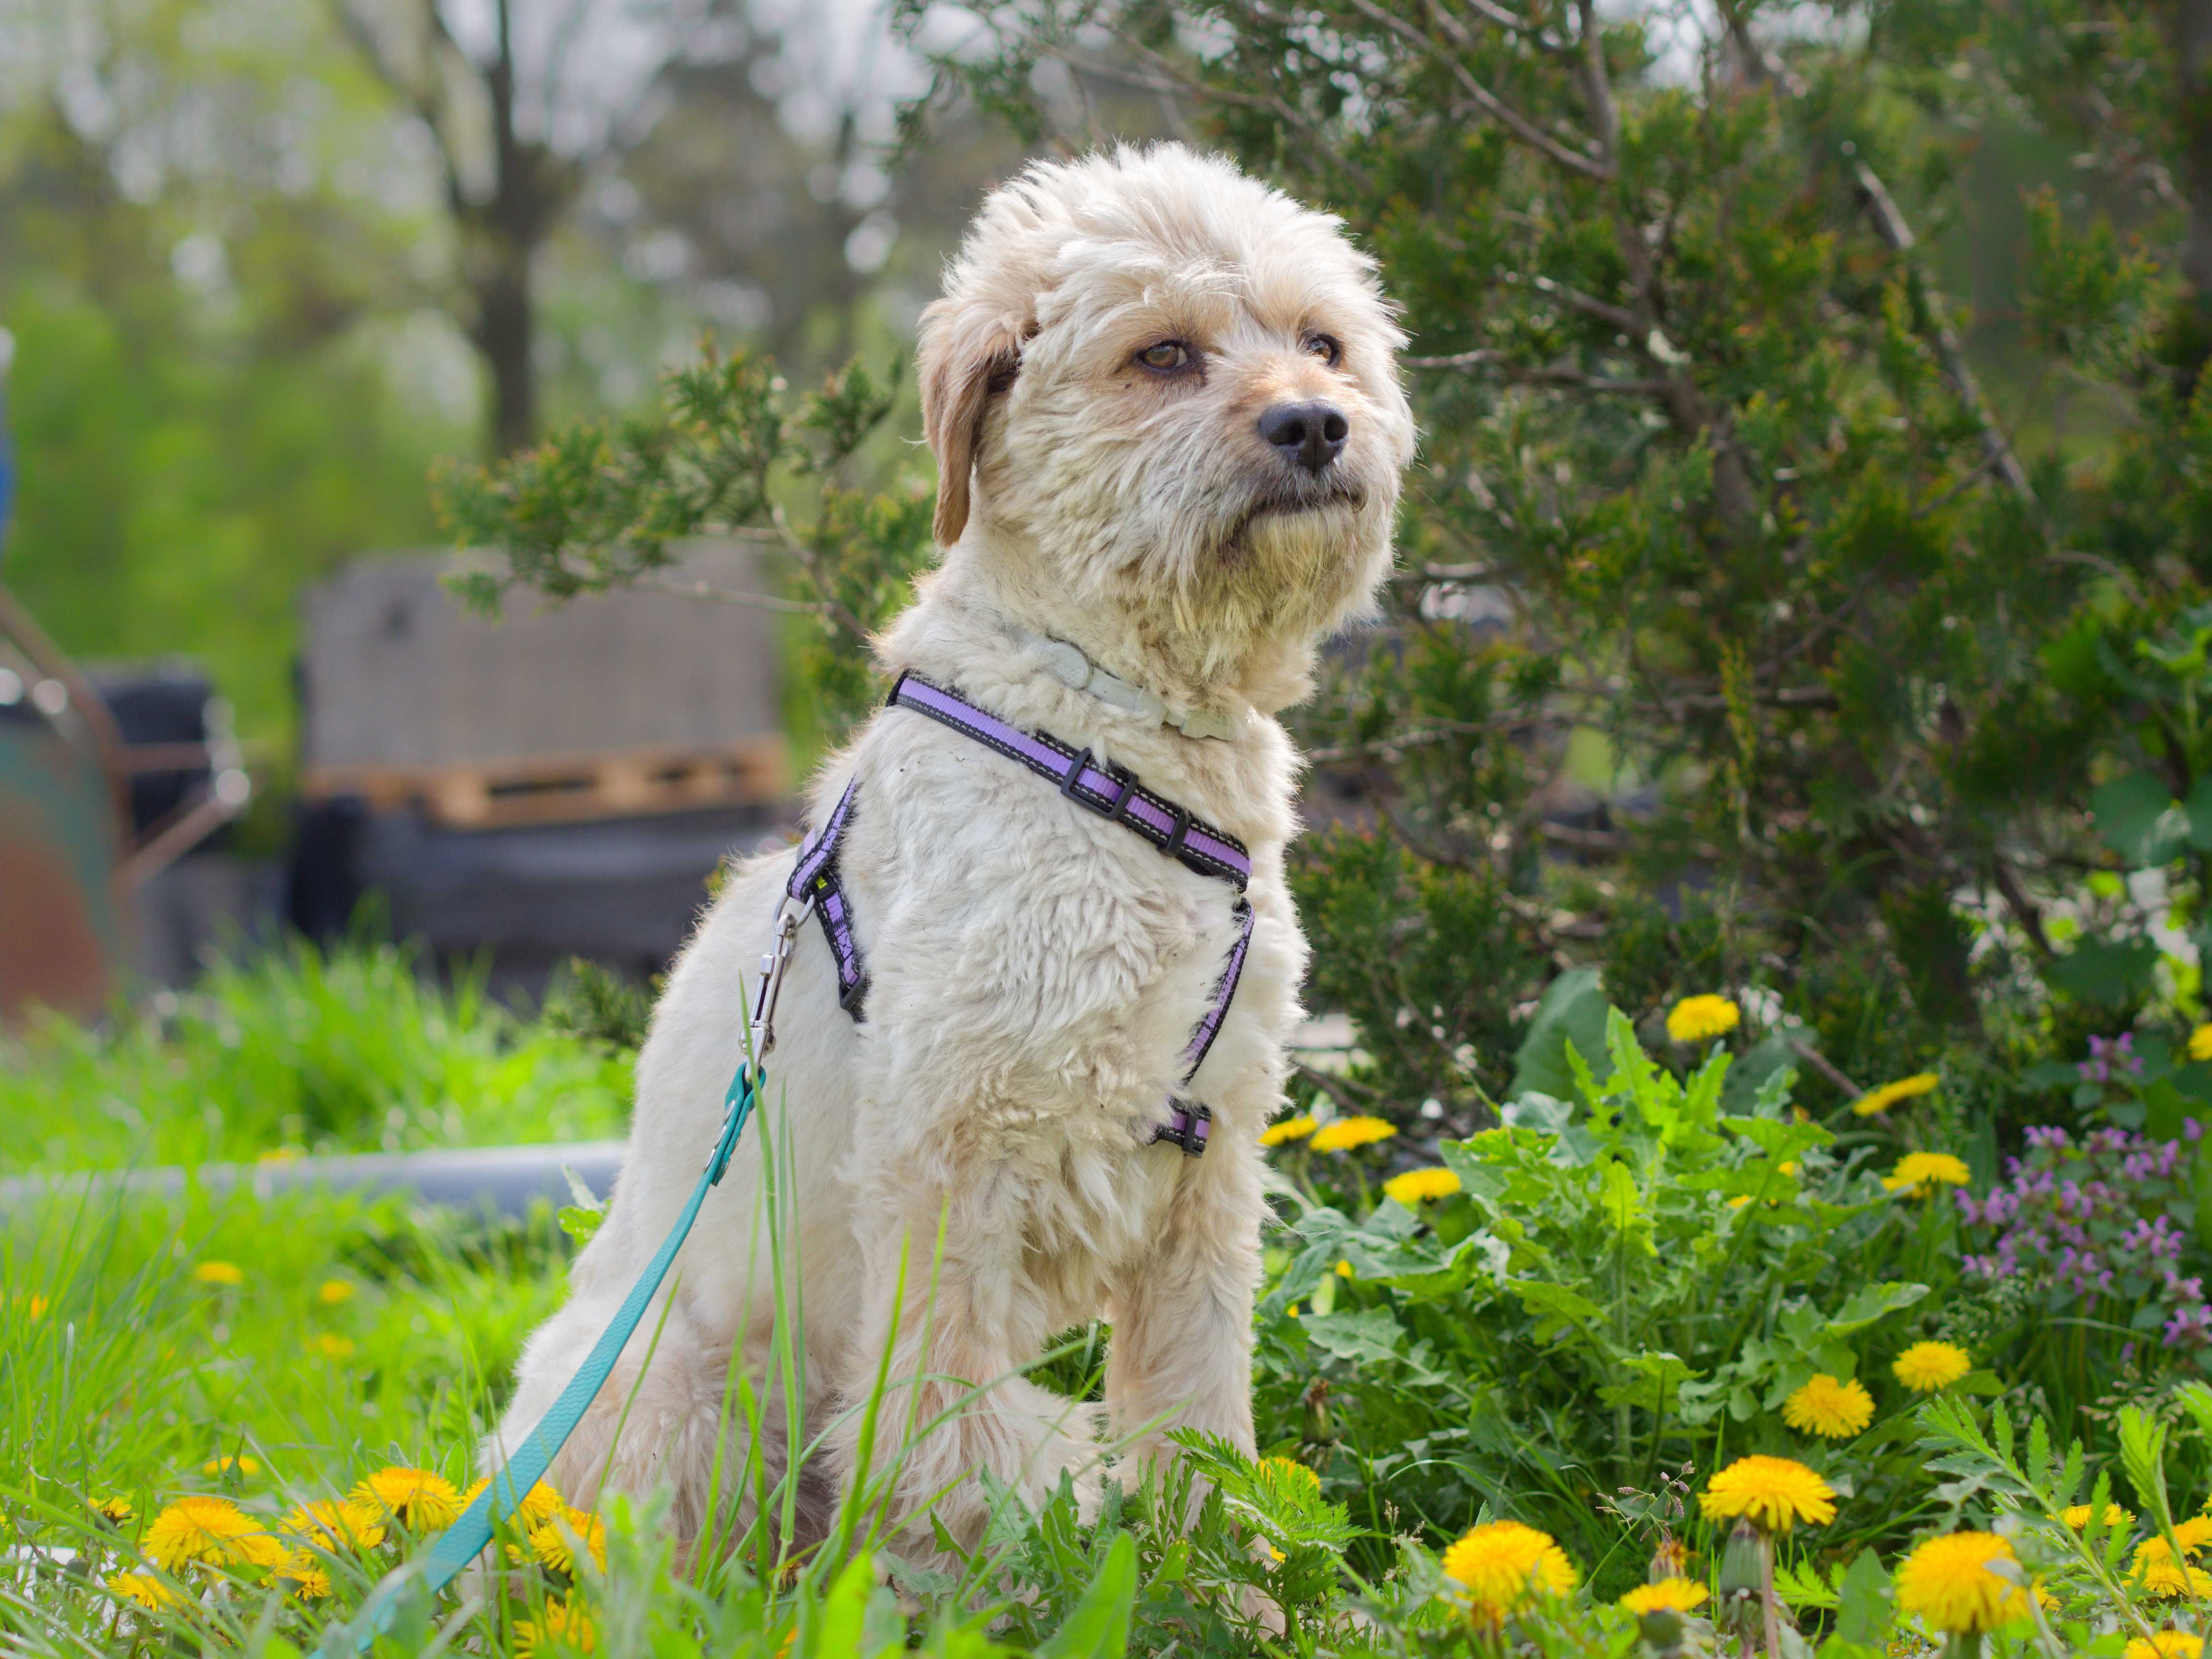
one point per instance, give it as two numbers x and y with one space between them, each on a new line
505 332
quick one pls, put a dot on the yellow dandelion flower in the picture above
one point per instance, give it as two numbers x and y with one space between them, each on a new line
116 1511
35 1308
309 1579
1291 1312
1949 1582
2199 1042
1831 1409
332 1525
1291 1128
2077 1515
147 1591
329 1344
241 1464
565 1627
2156 1570
1907 1088
208 1532
1417 1187
1772 1492
1341 1134
538 1506
1927 1366
1289 1477
416 1497
332 1292
2193 1534
554 1544
1673 1594
219 1273
1343 1269
1501 1563
2167 1643
1917 1169
1694 1019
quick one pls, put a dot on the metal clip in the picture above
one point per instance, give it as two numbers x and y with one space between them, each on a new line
788 915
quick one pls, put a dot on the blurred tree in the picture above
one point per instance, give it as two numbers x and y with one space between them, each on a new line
521 104
214 326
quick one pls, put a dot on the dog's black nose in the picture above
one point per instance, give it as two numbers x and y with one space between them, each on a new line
1311 435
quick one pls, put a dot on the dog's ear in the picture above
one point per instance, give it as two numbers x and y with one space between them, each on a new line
968 353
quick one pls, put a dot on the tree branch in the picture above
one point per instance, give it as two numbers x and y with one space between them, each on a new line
1619 316
2024 909
1491 105
1826 1067
832 607
1891 226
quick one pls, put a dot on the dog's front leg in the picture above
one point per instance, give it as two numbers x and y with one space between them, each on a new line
1181 1350
944 1286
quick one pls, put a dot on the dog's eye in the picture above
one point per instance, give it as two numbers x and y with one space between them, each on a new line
1167 356
1325 347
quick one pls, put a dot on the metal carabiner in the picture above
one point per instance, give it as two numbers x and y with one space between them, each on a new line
789 914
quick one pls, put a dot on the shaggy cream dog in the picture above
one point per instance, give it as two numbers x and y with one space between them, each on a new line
1165 408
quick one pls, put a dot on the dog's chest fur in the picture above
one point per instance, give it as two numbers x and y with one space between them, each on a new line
1040 969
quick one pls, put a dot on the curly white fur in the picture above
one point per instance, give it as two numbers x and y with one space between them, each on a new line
1035 970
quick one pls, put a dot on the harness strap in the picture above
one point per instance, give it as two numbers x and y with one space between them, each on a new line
1209 1027
1110 791
814 878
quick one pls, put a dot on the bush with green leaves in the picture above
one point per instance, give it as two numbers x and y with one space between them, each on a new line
1744 639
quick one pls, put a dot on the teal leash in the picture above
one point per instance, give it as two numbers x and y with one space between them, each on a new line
461 1543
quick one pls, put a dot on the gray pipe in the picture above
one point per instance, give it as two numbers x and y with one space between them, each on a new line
507 1179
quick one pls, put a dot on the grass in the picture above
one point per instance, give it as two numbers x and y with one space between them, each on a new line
294 1049
278 1352
269 1353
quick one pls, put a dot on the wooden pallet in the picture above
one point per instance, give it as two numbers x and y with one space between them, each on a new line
566 788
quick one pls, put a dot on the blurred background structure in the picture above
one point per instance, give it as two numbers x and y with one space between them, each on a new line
266 262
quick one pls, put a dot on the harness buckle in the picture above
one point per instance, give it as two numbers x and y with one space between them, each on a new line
1173 848
1073 776
1128 780
1188 1127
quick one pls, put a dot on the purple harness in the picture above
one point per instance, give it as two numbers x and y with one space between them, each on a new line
1110 791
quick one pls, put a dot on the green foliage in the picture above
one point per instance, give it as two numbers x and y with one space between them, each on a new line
599 1007
1618 1301
295 1051
206 399
723 454
1622 1280
1736 647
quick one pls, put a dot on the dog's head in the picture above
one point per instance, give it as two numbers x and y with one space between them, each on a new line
1178 388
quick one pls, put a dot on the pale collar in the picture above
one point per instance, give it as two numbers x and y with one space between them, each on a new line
1078 673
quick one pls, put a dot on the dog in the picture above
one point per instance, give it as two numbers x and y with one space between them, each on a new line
1165 406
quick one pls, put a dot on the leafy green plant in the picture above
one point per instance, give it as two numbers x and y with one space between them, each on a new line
1620 1284
727 453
